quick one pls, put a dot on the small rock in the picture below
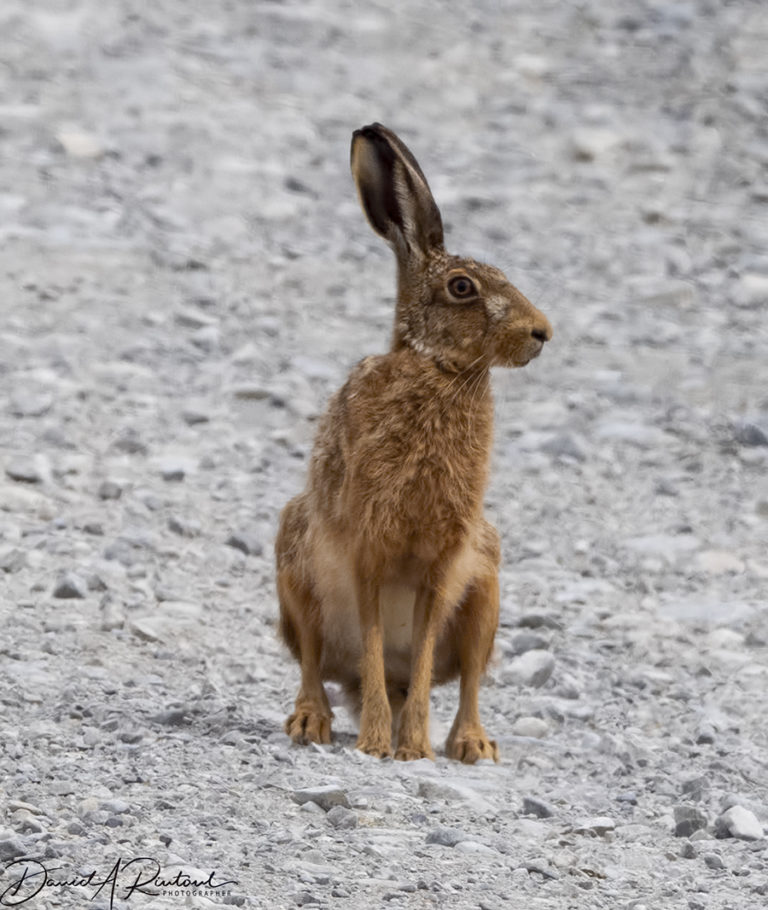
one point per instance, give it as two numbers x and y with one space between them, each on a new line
530 669
749 434
473 846
446 837
112 616
70 586
689 819
130 444
173 473
185 527
11 845
206 338
527 641
588 143
719 562
24 471
753 289
23 820
80 144
532 805
713 861
193 417
116 806
341 817
538 621
696 787
246 542
530 726
326 797
30 404
110 489
635 434
740 823
600 825
173 717
190 318
705 734
12 560
564 445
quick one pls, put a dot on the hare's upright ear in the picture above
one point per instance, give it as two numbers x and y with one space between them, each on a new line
394 193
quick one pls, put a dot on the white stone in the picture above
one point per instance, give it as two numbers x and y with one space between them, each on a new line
80 144
588 143
530 726
719 562
530 669
739 822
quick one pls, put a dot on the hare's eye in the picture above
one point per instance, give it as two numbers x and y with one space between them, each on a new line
462 287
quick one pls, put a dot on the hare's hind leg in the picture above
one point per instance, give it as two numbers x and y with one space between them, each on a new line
300 622
473 634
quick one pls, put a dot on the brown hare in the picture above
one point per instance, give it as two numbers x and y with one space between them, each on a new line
387 571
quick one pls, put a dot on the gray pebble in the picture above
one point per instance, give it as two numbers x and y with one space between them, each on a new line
11 845
526 641
532 805
246 542
538 621
24 471
26 403
326 797
130 443
341 817
446 837
689 819
70 585
184 527
12 560
110 489
564 445
173 717
194 417
749 434
696 787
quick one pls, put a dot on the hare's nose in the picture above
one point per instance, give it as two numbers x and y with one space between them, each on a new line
543 330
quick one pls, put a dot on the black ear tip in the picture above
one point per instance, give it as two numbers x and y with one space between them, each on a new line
372 129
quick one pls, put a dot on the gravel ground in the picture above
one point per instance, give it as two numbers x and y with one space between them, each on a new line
185 277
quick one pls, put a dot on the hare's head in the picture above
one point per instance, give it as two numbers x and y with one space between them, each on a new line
459 312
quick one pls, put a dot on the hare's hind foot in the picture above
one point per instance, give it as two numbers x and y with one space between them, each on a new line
309 723
470 744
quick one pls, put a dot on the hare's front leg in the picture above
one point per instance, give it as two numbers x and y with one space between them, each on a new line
475 630
375 735
413 733
300 616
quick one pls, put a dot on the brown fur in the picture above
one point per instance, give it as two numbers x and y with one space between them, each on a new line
386 567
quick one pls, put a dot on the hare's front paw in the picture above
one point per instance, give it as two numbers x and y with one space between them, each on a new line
470 744
378 746
309 724
414 753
